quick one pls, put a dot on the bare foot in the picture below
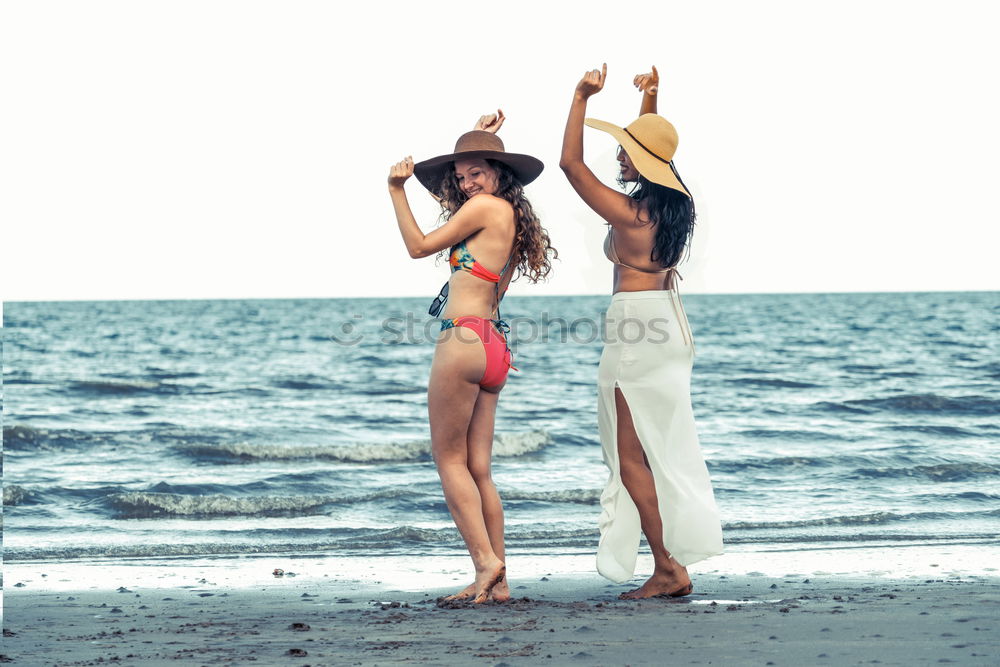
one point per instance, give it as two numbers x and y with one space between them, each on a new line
674 583
487 579
463 594
500 592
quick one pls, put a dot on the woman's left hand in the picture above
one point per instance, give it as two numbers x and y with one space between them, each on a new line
400 171
592 82
490 122
648 83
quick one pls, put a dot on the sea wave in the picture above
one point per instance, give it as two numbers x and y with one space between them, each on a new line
163 374
862 368
942 472
918 403
14 495
776 462
27 438
219 500
874 466
834 406
504 445
579 496
142 505
378 387
19 377
399 539
875 518
792 434
146 505
385 540
422 541
932 429
775 382
305 382
974 496
100 387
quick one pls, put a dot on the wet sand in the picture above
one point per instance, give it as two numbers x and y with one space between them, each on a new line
339 617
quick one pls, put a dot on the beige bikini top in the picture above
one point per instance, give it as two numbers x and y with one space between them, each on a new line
612 254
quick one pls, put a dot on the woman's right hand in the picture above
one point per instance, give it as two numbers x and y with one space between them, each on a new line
647 83
491 122
592 82
400 171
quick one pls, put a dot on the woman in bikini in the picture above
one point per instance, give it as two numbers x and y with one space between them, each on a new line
492 233
658 481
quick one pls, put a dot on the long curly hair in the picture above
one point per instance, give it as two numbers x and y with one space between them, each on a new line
531 242
671 211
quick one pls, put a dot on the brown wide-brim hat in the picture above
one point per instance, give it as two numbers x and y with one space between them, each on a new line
650 142
477 144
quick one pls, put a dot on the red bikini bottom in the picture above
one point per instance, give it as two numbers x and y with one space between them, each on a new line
491 333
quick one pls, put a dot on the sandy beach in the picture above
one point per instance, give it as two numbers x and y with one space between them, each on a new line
369 611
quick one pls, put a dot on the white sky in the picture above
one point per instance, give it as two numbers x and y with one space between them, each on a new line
199 149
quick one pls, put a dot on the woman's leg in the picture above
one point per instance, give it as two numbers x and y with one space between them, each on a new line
452 396
480 455
669 576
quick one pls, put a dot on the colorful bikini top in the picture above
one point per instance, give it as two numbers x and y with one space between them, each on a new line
612 254
462 260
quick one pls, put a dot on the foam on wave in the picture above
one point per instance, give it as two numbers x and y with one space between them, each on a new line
504 444
580 496
139 504
875 518
145 504
14 495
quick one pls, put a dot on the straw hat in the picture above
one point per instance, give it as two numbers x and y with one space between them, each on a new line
477 144
650 142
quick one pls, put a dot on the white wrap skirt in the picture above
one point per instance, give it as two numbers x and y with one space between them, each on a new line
648 354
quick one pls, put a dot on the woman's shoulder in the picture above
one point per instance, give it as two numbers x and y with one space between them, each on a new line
484 200
632 216
486 204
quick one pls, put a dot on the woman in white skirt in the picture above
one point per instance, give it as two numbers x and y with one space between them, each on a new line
658 481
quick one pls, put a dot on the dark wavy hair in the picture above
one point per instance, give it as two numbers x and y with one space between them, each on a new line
531 242
671 211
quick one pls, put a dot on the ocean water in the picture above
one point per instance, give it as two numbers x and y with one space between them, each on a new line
167 428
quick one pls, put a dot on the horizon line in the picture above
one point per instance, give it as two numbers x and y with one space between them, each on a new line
514 296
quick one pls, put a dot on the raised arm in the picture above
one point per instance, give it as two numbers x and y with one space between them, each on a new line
615 207
468 220
648 84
